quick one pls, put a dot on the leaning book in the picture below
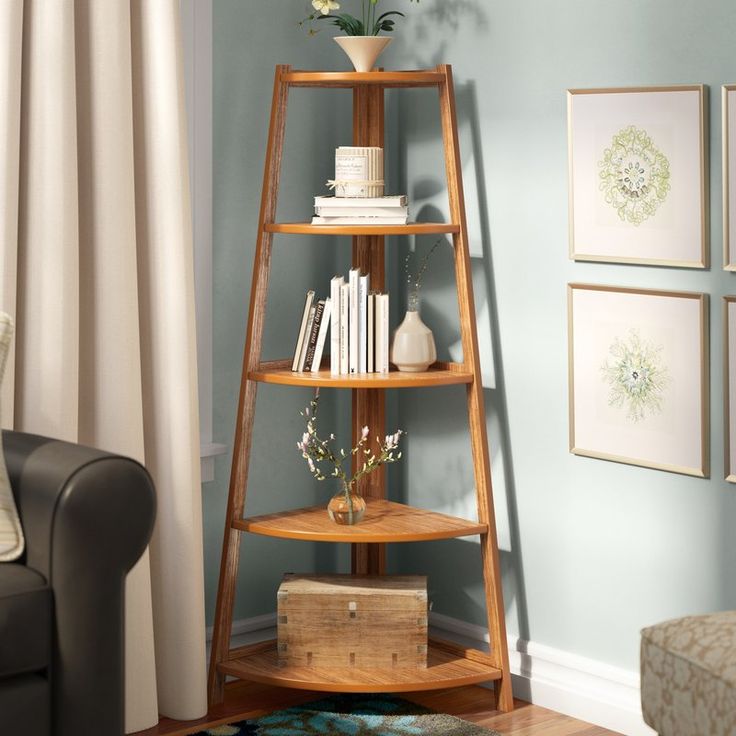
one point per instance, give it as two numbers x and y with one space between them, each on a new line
298 350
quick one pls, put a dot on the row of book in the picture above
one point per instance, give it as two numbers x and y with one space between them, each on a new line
390 210
357 321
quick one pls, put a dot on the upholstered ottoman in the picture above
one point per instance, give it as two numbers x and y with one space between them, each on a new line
688 676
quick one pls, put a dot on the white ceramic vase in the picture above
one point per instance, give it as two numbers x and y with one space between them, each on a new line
363 50
413 348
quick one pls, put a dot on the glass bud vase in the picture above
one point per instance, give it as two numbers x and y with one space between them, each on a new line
346 506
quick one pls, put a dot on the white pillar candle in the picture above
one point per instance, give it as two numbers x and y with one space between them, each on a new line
358 171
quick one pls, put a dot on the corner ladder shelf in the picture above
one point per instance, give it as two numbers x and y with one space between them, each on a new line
448 665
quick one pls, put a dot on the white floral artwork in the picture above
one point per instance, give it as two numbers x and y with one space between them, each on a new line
637 172
638 378
729 177
634 175
729 380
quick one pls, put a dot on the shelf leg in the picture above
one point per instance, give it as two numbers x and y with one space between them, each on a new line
247 402
368 255
476 410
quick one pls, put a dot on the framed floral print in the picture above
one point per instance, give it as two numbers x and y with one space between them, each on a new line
638 175
729 177
638 373
729 385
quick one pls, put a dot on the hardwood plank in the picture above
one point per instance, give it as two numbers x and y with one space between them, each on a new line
384 521
472 703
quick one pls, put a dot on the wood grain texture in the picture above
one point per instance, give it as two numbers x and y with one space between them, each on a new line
369 405
247 401
476 409
444 669
472 703
356 621
448 664
412 228
384 521
435 376
419 78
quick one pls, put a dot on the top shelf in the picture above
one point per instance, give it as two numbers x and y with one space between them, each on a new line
411 228
419 78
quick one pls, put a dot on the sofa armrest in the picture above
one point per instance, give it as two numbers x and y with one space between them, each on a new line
87 517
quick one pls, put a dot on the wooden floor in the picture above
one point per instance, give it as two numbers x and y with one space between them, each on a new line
248 700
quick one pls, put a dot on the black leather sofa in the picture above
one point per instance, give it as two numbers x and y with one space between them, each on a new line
87 518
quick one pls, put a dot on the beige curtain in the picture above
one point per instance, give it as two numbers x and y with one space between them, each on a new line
96 268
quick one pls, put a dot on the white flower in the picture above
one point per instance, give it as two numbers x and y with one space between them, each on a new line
364 433
325 6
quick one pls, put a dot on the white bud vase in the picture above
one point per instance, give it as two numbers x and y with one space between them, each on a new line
363 50
413 349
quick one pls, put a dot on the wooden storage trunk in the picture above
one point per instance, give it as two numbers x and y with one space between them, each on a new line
352 621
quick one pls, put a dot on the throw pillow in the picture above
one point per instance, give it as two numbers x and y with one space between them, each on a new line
11 534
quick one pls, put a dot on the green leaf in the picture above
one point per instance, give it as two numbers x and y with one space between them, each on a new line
384 24
390 12
346 23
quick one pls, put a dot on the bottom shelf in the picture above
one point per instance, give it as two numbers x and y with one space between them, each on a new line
448 665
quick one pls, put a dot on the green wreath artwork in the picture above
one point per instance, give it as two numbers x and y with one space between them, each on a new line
634 175
636 375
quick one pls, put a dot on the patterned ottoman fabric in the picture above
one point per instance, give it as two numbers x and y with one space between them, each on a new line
688 676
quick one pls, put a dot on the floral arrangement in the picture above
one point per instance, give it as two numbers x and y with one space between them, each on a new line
367 25
319 452
414 281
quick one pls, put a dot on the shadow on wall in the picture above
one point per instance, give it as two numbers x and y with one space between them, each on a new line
428 51
495 396
439 310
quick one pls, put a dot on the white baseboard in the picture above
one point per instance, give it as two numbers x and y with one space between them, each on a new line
566 683
248 631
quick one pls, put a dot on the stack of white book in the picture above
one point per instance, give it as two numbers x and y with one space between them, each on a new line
391 210
357 320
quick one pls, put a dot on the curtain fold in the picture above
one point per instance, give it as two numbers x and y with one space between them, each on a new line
11 30
97 269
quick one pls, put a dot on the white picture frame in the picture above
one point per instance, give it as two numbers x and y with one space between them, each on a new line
638 377
729 387
728 98
638 175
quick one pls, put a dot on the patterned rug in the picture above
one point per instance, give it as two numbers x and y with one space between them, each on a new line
353 715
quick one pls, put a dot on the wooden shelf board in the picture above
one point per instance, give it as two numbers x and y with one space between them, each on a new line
412 228
446 667
384 521
441 374
419 78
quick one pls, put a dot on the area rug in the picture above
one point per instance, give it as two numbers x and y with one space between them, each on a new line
353 715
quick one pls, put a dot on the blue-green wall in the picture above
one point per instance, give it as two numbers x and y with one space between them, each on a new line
591 551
